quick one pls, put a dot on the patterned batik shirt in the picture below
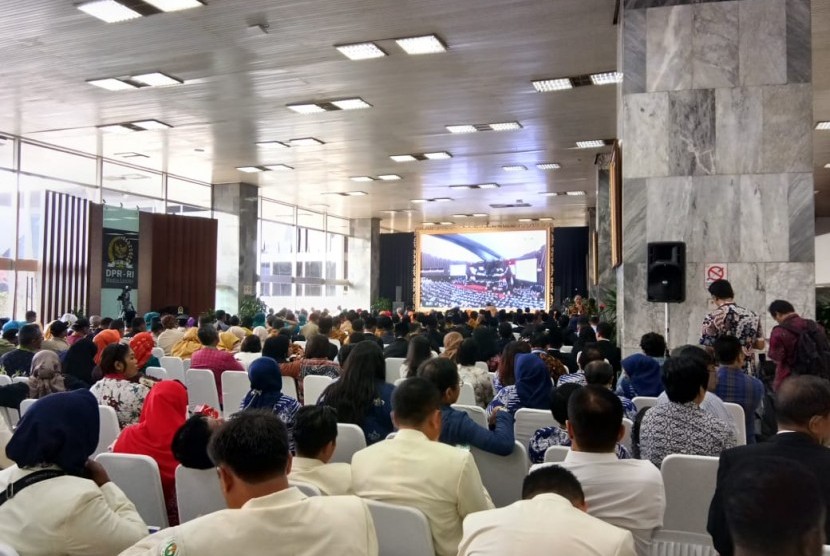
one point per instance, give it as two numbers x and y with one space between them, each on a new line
733 320
125 397
682 428
546 437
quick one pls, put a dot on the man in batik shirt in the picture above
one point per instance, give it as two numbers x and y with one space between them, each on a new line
730 319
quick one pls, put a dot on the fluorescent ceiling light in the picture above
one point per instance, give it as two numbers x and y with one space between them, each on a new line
362 178
356 194
823 126
156 79
488 186
306 142
427 44
506 126
116 128
402 157
827 166
514 168
249 169
108 10
389 177
151 124
418 201
462 187
466 128
548 166
442 155
271 145
549 194
590 144
174 5
546 219
361 51
547 85
607 78
305 108
351 104
278 167
441 200
525 220
111 84
575 193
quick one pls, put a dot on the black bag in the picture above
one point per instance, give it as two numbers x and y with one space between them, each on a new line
812 351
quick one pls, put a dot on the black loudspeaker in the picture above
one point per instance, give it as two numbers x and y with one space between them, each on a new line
666 272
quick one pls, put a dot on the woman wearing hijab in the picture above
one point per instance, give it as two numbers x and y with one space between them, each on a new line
117 389
452 342
531 390
266 393
69 505
228 341
45 378
79 361
642 372
188 345
142 345
259 320
103 339
164 412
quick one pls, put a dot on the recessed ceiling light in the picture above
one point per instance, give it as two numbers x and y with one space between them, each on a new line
403 158
116 128
575 193
306 108
546 219
442 155
506 126
549 194
362 178
418 201
827 166
108 10
356 193
111 84
548 166
279 167
465 128
427 44
590 144
823 126
514 168
249 169
607 78
389 177
174 5
547 85
306 142
361 51
525 220
351 104
271 145
488 186
156 79
441 200
462 187
151 124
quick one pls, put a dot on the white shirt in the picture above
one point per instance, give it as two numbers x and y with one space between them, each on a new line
547 524
331 478
168 339
245 358
712 405
440 480
627 493
285 522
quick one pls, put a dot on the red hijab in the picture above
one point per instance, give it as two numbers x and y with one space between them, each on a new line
142 345
103 339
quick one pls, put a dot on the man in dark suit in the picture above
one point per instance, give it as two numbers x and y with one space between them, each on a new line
803 414
555 342
608 348
399 347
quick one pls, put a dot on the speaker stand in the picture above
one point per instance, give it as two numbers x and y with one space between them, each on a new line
668 338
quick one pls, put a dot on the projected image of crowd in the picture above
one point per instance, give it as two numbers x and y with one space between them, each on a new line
435 293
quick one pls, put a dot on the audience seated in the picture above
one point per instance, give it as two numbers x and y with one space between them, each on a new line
276 347
803 414
266 394
265 515
211 358
62 502
538 346
606 346
18 361
117 388
641 371
477 377
555 341
316 362
45 378
250 349
452 343
170 336
362 396
400 345
315 436
419 350
506 373
9 340
188 345
164 413
190 443
229 341
531 390
551 518
57 342
680 426
142 345
79 361
627 493
601 373
585 357
734 385
414 469
457 428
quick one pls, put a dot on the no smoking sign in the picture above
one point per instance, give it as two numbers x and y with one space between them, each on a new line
716 271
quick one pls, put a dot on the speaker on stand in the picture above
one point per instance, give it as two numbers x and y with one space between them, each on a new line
666 276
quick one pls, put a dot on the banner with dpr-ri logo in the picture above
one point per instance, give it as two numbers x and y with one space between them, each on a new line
120 251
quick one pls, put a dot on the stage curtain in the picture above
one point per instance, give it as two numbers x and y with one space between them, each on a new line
397 256
570 262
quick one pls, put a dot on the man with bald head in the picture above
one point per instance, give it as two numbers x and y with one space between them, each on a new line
803 414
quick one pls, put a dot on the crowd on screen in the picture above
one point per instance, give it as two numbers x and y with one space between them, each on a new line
440 293
606 498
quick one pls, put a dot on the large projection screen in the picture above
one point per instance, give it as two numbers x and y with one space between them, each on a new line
472 268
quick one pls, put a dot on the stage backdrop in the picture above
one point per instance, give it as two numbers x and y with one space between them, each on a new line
570 262
397 266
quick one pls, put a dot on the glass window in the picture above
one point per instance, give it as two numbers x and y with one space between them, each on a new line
308 219
130 180
6 154
50 162
37 183
127 201
188 192
188 210
30 230
8 215
276 212
338 225
227 264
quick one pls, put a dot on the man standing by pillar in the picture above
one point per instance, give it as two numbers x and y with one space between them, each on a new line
730 319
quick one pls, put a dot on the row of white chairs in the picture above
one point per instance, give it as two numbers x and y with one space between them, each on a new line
393 368
109 428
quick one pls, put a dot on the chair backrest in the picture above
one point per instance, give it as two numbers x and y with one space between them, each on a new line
476 413
10 415
398 382
401 531
826 551
198 493
528 421
738 421
25 405
6 550
566 349
158 353
235 385
493 377
174 367
5 380
138 476
467 395
503 475
393 369
556 454
201 388
641 402
626 439
350 439
313 387
306 488
21 380
690 484
289 387
108 430
156 372
516 335
482 365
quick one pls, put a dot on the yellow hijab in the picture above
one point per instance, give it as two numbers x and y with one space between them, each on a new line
188 345
228 341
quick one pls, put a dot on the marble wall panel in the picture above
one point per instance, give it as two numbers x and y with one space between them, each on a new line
691 146
765 218
799 52
634 217
763 42
640 316
802 224
739 130
645 131
685 318
669 48
787 135
716 230
634 51
669 209
715 45
794 282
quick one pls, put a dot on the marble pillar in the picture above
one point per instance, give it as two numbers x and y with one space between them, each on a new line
363 262
716 131
605 271
235 205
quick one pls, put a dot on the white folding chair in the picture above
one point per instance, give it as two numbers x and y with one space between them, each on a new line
393 369
6 550
482 365
516 335
108 429
350 439
641 402
690 484
289 387
25 405
20 380
198 492
186 364
201 388
5 380
174 367
335 342
676 543
157 373
826 551
626 439
528 421
138 476
306 488
738 421
475 413
313 388
235 385
467 395
502 475
556 454
399 381
10 415
566 349
401 530
158 353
